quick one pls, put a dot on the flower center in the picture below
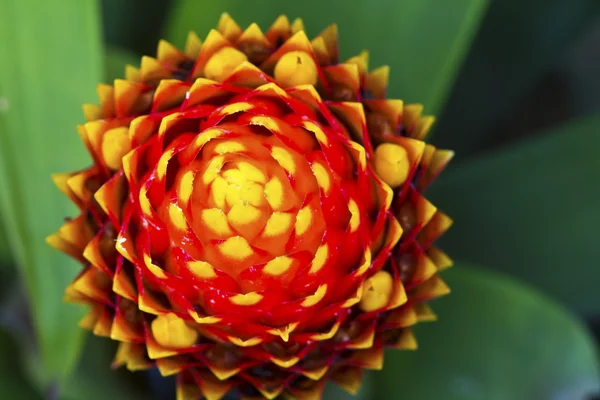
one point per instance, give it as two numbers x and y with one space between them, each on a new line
255 201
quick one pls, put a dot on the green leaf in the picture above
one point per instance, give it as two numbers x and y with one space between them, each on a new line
581 66
531 210
95 380
423 41
51 61
504 65
4 247
134 25
366 391
495 339
115 60
13 384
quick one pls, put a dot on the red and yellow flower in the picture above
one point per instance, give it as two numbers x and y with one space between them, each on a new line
254 218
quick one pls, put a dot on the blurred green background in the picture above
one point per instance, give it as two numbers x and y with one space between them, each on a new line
516 87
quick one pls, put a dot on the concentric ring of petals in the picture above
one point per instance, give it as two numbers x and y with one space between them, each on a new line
254 216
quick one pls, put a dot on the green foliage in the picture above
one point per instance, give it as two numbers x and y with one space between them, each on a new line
54 52
366 391
13 383
115 60
423 41
4 248
93 379
495 339
518 43
135 25
531 210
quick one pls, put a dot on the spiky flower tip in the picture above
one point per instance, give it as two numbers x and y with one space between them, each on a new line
253 219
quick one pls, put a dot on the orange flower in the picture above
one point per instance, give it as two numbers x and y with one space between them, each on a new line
253 218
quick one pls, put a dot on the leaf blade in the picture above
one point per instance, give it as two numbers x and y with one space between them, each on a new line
530 210
495 339
115 60
417 75
13 384
94 379
54 52
505 65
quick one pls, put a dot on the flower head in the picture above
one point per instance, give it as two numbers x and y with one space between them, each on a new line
253 218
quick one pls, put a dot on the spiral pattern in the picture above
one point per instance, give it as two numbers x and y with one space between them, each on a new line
254 218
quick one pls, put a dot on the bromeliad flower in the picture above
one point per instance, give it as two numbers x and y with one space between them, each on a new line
254 217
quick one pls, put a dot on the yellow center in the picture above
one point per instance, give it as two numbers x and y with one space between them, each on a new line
246 199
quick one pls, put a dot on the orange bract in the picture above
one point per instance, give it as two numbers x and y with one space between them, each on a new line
253 218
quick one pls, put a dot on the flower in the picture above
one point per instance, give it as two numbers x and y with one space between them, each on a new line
254 218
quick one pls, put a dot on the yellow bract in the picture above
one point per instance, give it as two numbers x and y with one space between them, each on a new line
251 172
377 291
235 108
244 192
246 219
296 68
223 62
316 297
242 214
216 220
319 134
284 158
322 176
236 248
274 193
186 185
278 265
248 299
303 220
177 217
171 331
202 269
355 215
115 144
278 223
230 146
212 169
234 176
392 164
218 191
320 258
